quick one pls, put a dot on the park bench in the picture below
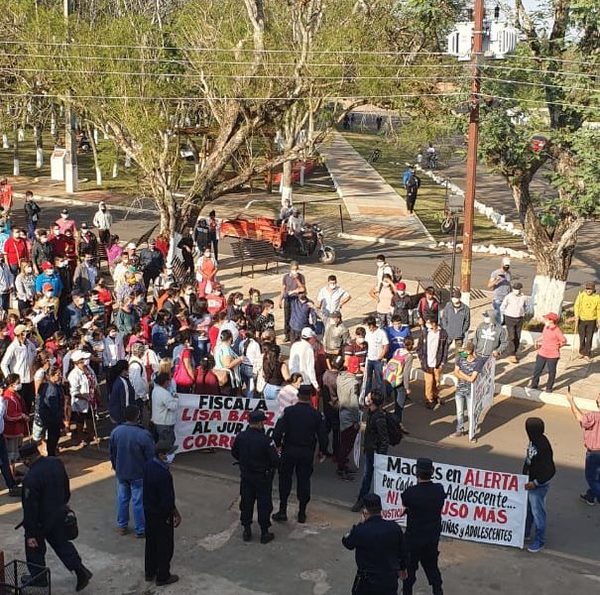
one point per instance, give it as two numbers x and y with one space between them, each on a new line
441 279
254 252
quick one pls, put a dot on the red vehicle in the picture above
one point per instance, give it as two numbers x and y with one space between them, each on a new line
275 232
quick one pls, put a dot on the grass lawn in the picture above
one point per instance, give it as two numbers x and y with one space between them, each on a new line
430 202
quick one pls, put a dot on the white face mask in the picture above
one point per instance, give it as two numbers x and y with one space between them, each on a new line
456 301
429 327
380 264
487 319
517 291
18 387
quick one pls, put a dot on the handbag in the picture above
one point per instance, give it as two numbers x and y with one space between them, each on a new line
181 375
71 526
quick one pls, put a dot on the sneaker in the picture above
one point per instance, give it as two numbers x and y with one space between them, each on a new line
83 578
247 534
122 530
140 536
458 434
404 430
173 578
301 517
267 537
535 547
357 506
589 500
280 517
513 359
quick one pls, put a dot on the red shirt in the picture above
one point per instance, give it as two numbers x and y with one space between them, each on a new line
14 424
15 251
104 296
59 245
213 335
590 422
162 246
207 383
551 342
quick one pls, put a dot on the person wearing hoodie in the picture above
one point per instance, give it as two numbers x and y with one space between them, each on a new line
539 468
456 319
490 337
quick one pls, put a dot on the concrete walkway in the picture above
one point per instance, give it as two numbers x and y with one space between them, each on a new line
374 206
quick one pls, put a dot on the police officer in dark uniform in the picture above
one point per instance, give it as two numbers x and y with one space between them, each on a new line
45 497
423 502
297 432
379 551
258 459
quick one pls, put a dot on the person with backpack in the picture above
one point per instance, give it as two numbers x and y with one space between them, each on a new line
412 183
138 375
385 295
376 440
384 268
396 375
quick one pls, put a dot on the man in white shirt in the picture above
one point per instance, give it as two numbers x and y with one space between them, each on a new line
383 268
164 408
112 353
18 359
331 298
137 373
513 308
102 222
295 225
377 347
302 358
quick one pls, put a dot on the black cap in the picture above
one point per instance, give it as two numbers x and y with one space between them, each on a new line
517 285
29 449
424 465
256 416
372 503
164 447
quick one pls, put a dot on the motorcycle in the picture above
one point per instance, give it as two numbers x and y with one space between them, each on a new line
313 241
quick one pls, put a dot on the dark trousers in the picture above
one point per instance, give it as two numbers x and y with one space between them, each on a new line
365 486
411 199
427 556
287 311
4 466
188 263
31 227
399 400
586 329
104 235
52 439
513 328
374 584
332 423
301 462
159 545
149 275
347 438
212 240
28 394
62 547
5 301
540 364
256 488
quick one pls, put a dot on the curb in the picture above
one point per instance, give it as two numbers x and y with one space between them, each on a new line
519 392
386 241
83 203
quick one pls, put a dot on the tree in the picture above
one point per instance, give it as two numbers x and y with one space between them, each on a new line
564 66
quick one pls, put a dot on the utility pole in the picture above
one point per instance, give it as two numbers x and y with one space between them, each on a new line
71 175
471 179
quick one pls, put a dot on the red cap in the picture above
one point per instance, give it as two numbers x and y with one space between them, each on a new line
401 286
552 316
47 265
47 287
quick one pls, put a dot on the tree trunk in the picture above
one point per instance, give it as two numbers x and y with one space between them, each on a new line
286 183
16 164
93 143
553 248
39 149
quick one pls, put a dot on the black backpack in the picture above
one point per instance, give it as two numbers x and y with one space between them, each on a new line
393 428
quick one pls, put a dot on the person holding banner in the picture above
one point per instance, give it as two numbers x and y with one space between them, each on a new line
539 467
258 459
379 551
467 368
423 505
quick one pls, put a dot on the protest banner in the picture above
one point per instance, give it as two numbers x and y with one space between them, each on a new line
484 506
482 395
211 421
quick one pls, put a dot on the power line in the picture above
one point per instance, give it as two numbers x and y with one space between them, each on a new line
545 59
519 100
538 84
196 99
540 72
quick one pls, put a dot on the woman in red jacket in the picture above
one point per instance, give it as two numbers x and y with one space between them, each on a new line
15 419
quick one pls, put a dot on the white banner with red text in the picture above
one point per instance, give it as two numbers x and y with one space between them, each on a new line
485 506
213 421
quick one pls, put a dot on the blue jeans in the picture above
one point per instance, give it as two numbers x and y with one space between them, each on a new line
592 473
496 305
126 491
461 401
365 486
374 374
536 512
